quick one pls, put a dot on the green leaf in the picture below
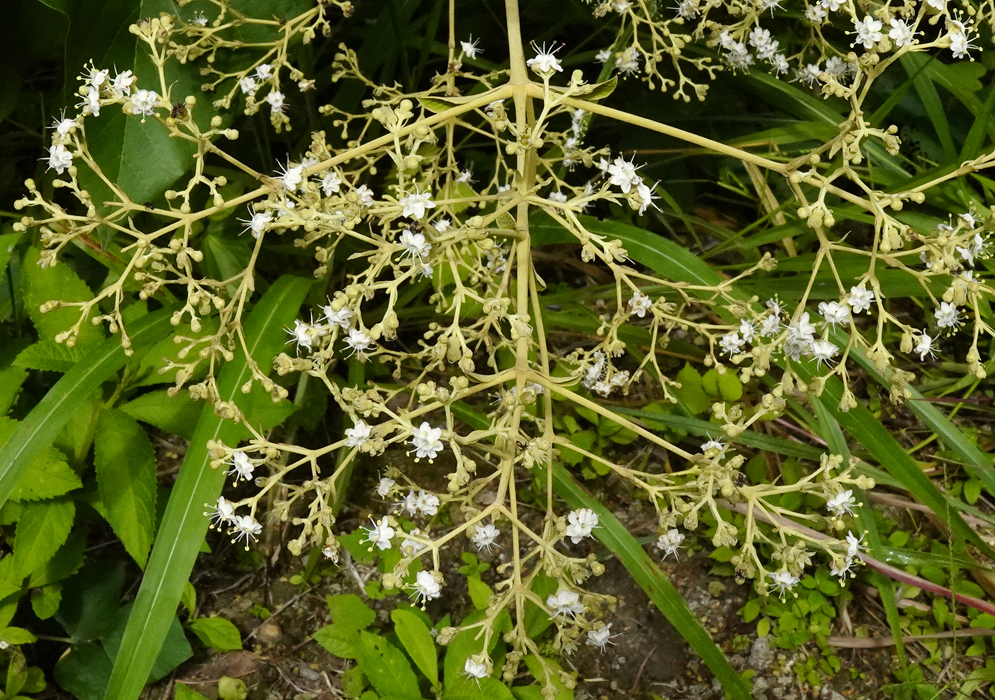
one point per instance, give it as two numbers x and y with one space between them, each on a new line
186 693
386 667
11 379
125 462
339 640
184 524
43 423
217 633
48 474
349 611
480 592
644 571
175 648
48 356
599 91
42 529
45 600
84 671
17 635
174 414
418 642
7 243
60 283
90 600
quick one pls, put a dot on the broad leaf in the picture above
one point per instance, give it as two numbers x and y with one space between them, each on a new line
125 462
42 529
386 667
418 642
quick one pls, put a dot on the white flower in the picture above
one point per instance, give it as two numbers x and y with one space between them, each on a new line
565 603
380 534
248 85
924 346
359 341
384 486
365 195
301 334
823 351
414 205
687 9
424 502
779 64
784 581
603 56
711 445
472 669
241 467
815 14
223 512
761 40
330 183
646 196
853 547
485 536
738 56
358 435
245 528
557 196
144 102
841 504
545 62
834 312
291 176
414 244
305 85
257 221
868 31
426 587
901 33
746 331
329 552
623 174
947 316
338 318
809 74
731 343
960 42
64 126
581 522
442 225
770 326
627 62
470 48
670 542
969 219
264 71
275 99
837 67
639 304
122 82
410 547
600 637
837 570
860 299
426 441
59 158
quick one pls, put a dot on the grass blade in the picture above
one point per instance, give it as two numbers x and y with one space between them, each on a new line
644 571
184 524
45 420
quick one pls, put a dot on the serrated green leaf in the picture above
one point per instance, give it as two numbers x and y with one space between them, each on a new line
43 423
45 600
42 529
17 635
48 356
216 633
418 642
174 414
57 282
339 640
47 476
386 667
184 524
125 465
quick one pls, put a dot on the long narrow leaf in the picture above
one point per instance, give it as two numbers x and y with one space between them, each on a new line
184 524
645 572
43 423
